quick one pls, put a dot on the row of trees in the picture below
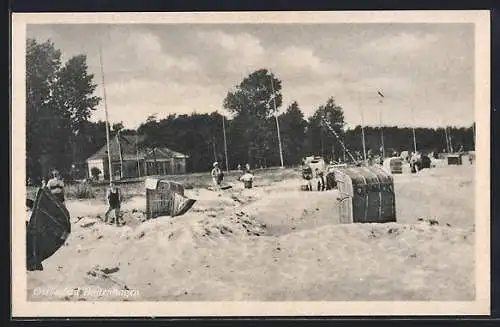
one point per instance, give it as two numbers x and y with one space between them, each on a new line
61 101
252 130
201 137
59 104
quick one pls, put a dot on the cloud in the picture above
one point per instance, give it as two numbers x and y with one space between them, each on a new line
301 58
179 68
240 52
143 52
233 50
141 97
400 43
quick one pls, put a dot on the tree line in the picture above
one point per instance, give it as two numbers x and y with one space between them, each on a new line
201 137
60 134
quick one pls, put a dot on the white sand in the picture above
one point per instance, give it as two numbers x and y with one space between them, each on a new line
274 242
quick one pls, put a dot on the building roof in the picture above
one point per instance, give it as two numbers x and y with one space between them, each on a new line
130 151
162 153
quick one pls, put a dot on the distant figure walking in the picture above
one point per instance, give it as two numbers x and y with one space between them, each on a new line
247 166
320 180
56 186
239 167
217 175
114 203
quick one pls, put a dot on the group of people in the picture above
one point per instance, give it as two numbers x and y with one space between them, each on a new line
218 176
56 187
317 176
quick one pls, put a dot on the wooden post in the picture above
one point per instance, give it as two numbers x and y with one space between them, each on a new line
120 153
277 123
137 155
225 142
413 128
362 127
107 120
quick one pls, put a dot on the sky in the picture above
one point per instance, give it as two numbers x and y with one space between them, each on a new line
425 71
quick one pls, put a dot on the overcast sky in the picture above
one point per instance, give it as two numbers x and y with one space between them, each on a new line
182 68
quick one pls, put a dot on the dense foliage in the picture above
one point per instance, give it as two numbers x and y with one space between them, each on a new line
59 104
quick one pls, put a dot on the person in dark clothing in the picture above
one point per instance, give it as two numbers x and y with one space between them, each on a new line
114 202
320 181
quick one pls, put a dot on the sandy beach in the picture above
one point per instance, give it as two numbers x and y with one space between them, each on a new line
272 243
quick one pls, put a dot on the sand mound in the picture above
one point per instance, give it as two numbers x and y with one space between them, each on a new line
275 243
295 210
332 262
446 195
376 262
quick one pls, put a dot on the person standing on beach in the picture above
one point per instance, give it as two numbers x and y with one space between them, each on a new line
247 179
216 174
321 185
56 186
114 203
307 174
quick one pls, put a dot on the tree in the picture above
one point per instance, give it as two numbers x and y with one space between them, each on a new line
253 103
293 132
59 103
200 136
401 139
320 139
73 93
117 127
254 95
92 137
42 63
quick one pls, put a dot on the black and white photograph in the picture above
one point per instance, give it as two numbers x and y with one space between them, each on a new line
251 163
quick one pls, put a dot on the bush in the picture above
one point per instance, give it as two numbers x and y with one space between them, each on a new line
81 191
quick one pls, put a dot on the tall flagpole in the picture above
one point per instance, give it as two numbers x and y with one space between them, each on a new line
120 152
413 128
451 144
446 138
362 127
225 142
382 136
277 124
137 152
381 127
107 120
